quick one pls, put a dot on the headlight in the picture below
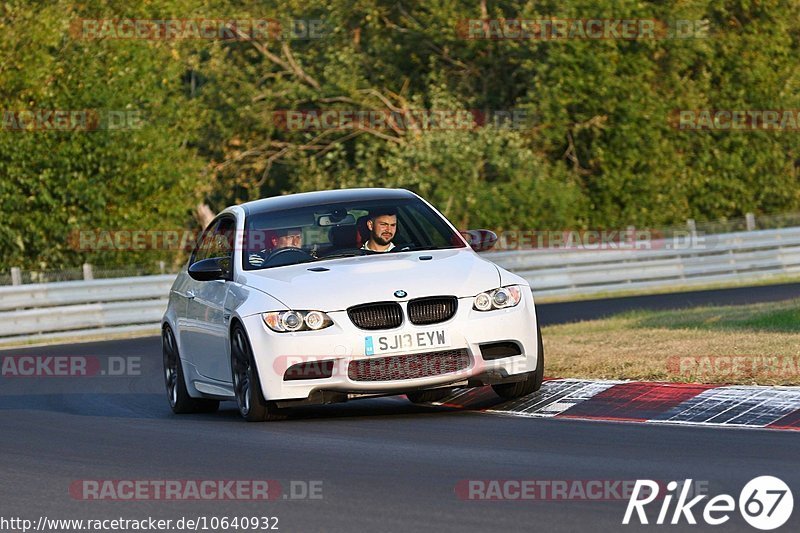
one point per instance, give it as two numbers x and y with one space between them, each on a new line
317 320
483 302
501 298
289 321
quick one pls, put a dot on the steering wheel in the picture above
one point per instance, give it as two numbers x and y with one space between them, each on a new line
287 256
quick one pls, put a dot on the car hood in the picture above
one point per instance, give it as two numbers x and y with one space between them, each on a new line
355 280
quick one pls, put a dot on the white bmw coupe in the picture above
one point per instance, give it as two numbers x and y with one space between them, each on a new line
328 296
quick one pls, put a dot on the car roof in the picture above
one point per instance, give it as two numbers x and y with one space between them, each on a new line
293 201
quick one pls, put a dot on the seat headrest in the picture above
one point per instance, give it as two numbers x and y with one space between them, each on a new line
344 236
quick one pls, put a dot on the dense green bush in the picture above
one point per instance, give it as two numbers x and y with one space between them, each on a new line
597 149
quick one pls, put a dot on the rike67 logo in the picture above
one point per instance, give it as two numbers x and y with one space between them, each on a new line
765 503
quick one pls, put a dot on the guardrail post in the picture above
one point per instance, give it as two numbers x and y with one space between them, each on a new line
16 276
751 221
88 275
692 228
162 266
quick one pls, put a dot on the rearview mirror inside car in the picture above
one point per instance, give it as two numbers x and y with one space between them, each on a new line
335 219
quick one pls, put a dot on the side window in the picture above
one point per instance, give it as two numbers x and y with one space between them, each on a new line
222 238
203 245
217 243
222 241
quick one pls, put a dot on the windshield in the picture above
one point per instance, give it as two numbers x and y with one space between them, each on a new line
328 231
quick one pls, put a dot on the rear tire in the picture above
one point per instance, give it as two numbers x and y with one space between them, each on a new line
428 396
178 395
246 384
533 383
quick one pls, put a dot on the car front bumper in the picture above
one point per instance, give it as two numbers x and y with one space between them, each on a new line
343 342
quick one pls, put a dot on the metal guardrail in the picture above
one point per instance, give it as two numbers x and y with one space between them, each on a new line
734 256
69 308
63 293
48 310
84 316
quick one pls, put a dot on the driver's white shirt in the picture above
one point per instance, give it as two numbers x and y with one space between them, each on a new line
366 247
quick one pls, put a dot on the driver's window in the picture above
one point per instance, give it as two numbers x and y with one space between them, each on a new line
217 243
204 244
221 244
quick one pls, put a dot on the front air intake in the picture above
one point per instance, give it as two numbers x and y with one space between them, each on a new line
411 366
499 350
382 315
423 311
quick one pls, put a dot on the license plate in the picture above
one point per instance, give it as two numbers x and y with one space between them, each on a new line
403 342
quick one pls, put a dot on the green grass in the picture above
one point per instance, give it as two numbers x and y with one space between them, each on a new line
650 345
774 316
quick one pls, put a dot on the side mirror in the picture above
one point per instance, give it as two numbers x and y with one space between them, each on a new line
480 240
208 269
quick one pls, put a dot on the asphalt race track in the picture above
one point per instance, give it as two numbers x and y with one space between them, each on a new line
558 313
383 464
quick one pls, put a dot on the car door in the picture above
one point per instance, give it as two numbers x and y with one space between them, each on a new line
205 337
185 290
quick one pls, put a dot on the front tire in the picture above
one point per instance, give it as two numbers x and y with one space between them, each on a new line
179 400
533 383
246 384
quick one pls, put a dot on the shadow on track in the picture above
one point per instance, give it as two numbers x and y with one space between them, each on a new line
155 407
